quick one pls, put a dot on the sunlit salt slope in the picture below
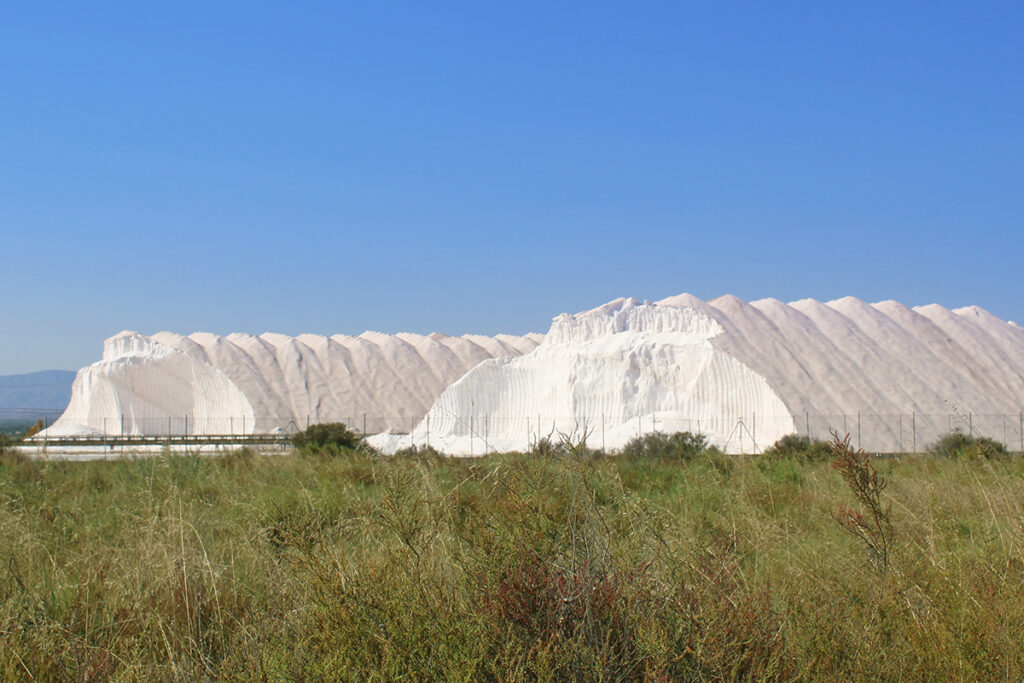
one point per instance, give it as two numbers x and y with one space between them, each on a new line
743 373
206 384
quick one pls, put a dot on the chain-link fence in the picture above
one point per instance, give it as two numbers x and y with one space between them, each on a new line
878 433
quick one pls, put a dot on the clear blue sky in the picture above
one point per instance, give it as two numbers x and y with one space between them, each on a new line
463 167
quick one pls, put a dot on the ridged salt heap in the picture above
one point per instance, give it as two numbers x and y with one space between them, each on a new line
743 373
241 384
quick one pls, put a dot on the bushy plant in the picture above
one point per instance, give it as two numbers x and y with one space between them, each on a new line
7 450
957 445
573 444
682 446
797 448
326 435
872 524
717 460
238 457
420 452
546 447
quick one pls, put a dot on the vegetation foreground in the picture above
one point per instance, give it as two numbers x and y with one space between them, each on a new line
668 562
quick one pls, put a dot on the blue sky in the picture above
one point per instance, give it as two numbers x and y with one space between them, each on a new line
467 167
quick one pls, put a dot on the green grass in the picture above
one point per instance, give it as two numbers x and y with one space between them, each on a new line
510 567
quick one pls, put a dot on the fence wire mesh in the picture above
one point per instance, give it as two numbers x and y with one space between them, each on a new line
879 433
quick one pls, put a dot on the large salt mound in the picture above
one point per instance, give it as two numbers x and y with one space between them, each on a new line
205 384
742 373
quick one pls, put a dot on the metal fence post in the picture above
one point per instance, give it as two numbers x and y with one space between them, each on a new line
858 430
913 417
901 432
970 424
364 424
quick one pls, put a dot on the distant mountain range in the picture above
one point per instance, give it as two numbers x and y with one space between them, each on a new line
35 395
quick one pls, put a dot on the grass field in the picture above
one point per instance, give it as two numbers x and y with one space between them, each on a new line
347 566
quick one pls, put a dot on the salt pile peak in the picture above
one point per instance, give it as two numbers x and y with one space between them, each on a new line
242 383
743 373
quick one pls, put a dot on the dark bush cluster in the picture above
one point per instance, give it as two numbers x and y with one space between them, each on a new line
797 448
7 444
680 446
428 453
326 435
957 446
543 603
567 445
547 447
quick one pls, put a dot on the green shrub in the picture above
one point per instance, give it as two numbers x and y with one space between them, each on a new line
797 448
682 446
546 447
957 445
782 471
566 445
7 450
8 454
420 452
237 457
717 460
326 435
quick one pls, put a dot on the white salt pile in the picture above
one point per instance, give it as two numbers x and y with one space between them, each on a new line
743 373
243 384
